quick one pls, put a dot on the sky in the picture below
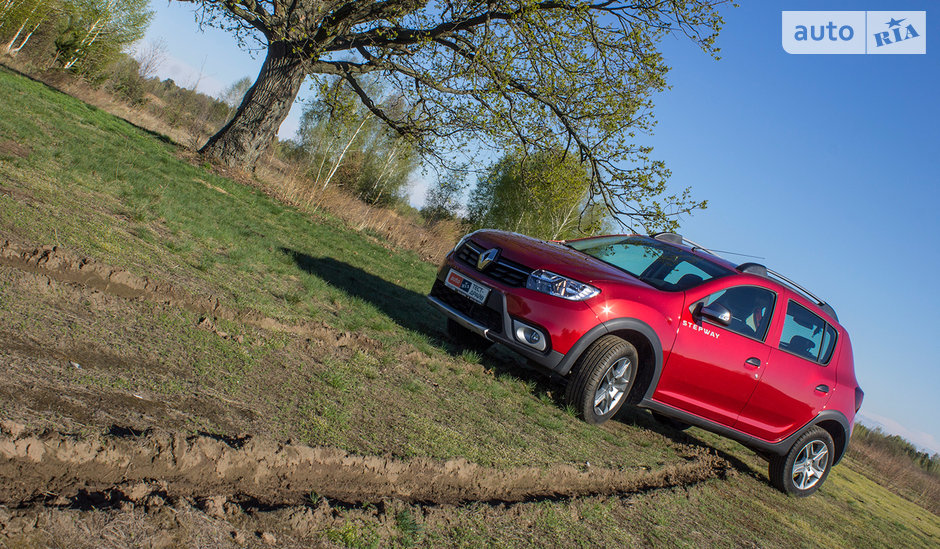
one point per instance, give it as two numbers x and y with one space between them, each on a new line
826 167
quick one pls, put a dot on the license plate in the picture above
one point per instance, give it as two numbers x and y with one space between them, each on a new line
463 285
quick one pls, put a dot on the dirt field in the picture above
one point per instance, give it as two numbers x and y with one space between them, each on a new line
61 476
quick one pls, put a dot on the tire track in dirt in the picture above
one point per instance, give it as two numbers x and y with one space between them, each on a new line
174 465
64 266
272 473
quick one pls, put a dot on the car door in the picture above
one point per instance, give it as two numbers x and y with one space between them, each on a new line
715 364
797 380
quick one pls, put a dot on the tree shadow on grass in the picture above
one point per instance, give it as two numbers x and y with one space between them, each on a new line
409 310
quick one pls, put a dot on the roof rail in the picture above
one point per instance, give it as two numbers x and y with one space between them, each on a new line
760 270
750 267
674 238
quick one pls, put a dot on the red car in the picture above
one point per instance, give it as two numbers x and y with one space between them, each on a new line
664 324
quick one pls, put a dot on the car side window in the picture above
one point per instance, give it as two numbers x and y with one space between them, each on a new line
806 334
751 308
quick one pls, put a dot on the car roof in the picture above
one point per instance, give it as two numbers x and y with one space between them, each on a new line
681 243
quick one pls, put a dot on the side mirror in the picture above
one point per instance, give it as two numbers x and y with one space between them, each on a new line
715 312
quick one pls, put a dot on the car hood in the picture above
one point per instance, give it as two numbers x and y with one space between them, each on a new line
553 256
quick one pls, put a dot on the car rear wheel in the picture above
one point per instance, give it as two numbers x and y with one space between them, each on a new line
805 467
602 380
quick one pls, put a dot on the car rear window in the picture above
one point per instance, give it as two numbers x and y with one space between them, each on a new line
807 335
659 265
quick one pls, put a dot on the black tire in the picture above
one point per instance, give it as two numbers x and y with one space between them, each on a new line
670 422
599 369
465 338
805 467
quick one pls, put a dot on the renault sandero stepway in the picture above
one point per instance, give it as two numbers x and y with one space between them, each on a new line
662 323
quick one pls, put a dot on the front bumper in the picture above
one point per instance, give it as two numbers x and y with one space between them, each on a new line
494 319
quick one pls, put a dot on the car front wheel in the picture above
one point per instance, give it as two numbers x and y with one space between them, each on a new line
805 467
603 377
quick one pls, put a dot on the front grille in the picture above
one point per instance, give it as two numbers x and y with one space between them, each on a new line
489 315
508 272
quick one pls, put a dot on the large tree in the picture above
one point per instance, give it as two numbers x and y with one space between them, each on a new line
552 74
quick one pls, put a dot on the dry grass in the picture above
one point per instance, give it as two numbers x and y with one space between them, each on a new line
897 473
284 182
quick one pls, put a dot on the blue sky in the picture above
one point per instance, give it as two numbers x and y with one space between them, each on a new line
826 166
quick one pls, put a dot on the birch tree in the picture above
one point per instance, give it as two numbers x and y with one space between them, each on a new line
25 16
341 136
98 29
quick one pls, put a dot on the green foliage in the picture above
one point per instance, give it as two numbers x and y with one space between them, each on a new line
126 81
87 36
96 31
443 200
345 144
20 19
187 107
544 195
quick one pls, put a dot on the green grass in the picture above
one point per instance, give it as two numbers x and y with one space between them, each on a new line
378 380
113 191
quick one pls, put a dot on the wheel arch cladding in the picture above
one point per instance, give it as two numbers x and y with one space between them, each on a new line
837 431
649 352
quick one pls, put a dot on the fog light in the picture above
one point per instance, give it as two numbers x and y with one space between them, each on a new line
528 335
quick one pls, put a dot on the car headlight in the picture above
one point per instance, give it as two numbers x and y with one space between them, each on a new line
550 283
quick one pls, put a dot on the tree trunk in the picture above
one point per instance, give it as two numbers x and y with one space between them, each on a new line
17 49
9 46
342 154
242 141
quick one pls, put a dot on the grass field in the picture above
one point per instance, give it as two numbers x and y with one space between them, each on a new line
319 334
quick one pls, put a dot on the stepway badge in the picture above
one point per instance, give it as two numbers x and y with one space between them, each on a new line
855 32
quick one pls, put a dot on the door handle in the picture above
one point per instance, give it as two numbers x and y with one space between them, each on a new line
822 388
753 361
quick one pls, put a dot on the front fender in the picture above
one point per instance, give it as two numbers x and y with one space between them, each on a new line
629 327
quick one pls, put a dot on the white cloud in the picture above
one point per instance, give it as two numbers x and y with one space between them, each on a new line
924 441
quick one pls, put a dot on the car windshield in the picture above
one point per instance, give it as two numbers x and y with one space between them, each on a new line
659 265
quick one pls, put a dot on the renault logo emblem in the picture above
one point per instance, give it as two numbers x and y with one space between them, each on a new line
486 258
